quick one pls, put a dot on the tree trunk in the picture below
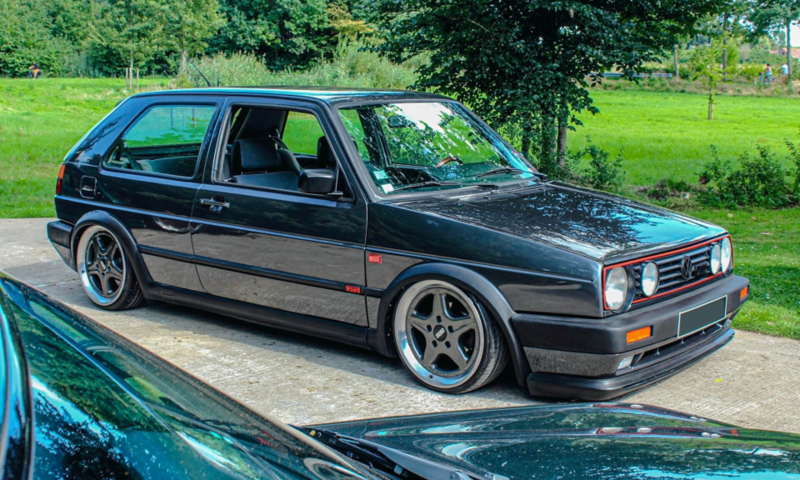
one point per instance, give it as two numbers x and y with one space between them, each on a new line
675 61
724 47
131 70
563 123
183 72
711 105
789 47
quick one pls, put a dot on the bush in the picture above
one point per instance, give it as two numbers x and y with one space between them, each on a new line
350 67
794 155
238 69
760 181
750 71
602 172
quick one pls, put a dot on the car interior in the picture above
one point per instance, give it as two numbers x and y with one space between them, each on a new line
165 140
257 154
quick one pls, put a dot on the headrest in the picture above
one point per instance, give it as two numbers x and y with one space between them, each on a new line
256 154
324 159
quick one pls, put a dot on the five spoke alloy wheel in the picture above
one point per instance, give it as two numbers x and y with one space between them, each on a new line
446 339
104 270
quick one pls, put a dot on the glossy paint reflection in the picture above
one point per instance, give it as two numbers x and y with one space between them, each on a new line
590 223
105 409
601 441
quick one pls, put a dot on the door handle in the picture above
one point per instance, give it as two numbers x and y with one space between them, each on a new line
214 205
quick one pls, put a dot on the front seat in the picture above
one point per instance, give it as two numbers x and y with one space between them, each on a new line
259 162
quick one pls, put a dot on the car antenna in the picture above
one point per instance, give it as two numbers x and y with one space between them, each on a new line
200 72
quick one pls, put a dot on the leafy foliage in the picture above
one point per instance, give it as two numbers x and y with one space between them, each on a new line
286 33
101 37
349 67
602 172
527 62
794 155
759 181
706 67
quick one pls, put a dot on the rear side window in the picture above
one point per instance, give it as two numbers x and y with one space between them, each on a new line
166 140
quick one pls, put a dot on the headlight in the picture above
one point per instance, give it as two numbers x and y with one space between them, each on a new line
716 259
727 254
649 278
616 288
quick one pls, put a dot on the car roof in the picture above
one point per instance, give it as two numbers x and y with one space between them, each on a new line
324 94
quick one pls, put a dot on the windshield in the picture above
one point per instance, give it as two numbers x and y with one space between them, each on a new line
424 146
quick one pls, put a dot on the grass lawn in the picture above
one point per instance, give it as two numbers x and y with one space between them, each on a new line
662 134
669 134
767 251
40 120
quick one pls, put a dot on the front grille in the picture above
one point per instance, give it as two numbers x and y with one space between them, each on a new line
670 271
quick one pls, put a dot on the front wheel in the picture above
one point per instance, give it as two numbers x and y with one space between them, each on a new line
106 274
446 339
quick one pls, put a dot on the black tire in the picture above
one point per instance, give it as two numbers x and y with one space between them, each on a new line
106 274
416 322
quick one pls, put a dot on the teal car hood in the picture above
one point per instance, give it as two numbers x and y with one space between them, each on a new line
586 441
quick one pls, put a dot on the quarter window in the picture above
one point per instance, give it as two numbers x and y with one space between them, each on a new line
165 140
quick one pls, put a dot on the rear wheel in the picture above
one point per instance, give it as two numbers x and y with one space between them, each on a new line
446 338
106 274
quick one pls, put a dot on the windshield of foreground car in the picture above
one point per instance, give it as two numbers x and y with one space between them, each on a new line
433 145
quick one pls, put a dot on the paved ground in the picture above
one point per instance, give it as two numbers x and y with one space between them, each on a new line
753 382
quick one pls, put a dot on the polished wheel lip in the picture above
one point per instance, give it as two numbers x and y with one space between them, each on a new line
101 261
407 345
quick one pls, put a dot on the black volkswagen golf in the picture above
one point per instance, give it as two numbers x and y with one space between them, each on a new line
394 221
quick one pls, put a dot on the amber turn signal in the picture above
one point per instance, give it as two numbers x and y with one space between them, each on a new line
639 334
744 293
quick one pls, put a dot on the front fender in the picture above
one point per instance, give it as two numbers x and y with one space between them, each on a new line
109 221
465 279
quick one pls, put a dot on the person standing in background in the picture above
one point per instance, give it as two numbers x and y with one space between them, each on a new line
768 74
785 73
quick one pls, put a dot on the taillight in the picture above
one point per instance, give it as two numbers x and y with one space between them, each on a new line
60 180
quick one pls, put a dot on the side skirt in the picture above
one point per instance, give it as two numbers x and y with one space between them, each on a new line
270 317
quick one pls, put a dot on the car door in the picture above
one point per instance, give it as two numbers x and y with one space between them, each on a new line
276 248
149 180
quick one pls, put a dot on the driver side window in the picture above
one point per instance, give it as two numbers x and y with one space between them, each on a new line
166 140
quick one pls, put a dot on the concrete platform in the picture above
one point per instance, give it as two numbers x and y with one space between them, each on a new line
752 382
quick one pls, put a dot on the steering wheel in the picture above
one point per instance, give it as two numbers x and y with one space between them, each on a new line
447 160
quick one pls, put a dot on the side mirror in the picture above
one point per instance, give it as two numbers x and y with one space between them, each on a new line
321 181
396 121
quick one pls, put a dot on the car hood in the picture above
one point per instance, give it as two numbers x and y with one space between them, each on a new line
591 441
592 223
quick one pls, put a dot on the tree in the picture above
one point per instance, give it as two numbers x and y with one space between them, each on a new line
192 23
134 28
706 67
287 33
530 62
772 16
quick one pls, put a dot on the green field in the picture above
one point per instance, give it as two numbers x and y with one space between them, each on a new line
40 120
670 135
662 134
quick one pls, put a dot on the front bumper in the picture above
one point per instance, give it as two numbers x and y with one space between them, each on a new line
578 358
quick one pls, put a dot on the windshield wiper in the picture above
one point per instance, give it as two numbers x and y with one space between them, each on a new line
386 459
432 183
500 171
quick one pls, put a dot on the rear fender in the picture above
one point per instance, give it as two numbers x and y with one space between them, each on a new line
109 221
